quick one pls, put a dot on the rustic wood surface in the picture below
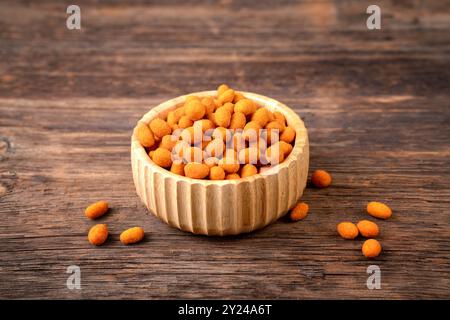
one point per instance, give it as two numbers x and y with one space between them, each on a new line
376 104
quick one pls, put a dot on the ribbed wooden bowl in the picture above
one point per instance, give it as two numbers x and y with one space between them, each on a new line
224 207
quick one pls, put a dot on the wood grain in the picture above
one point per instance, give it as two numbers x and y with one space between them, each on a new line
375 104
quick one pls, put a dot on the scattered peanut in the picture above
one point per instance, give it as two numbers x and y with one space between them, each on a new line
347 230
132 235
368 228
96 210
371 248
98 234
299 212
321 179
379 210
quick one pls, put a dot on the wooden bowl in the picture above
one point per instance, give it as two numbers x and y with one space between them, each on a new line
222 207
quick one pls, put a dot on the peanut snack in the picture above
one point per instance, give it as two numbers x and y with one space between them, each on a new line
226 136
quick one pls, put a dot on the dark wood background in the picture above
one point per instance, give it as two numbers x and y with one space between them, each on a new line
376 104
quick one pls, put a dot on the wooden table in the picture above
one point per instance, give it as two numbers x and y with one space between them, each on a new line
376 104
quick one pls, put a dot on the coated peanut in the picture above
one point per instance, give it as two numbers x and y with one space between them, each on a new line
371 248
299 212
145 135
98 234
347 230
368 229
132 235
96 210
321 179
379 210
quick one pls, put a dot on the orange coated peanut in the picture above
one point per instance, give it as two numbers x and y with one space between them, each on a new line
285 147
98 234
248 170
194 109
246 106
261 116
222 117
371 248
216 173
229 163
178 168
321 179
211 161
347 230
379 210
368 228
132 235
185 122
221 89
208 102
288 135
274 154
229 106
96 210
173 118
232 176
227 96
238 121
275 125
238 96
299 212
279 117
160 128
196 170
145 135
168 142
162 157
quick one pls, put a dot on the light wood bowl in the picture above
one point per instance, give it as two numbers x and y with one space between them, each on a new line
222 207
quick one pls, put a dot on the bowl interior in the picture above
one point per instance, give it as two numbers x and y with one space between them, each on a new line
292 119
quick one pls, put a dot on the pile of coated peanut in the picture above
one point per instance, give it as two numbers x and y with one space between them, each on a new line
226 136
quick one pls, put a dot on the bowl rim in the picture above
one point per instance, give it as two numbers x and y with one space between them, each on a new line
301 137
